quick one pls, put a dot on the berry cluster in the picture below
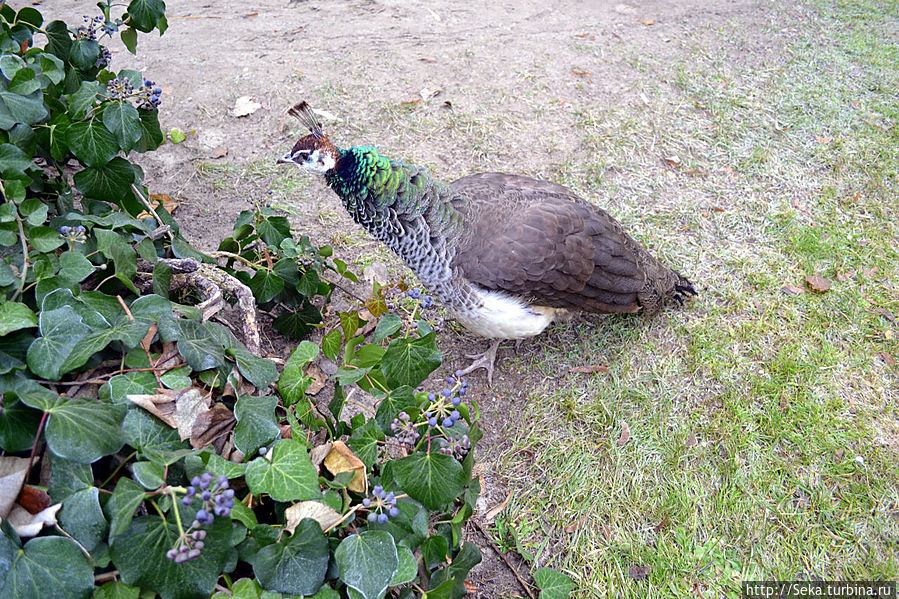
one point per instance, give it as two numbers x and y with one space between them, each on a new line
189 547
119 89
88 31
405 430
148 95
217 498
442 407
424 301
381 505
73 235
458 447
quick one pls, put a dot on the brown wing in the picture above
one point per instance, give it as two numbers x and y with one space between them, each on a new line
538 240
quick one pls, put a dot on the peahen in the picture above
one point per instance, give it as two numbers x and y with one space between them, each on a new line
505 254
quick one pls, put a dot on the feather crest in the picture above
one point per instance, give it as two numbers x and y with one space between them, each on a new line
303 112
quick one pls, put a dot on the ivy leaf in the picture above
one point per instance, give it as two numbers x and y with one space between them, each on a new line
388 325
84 431
434 550
83 100
331 344
367 562
116 590
289 476
129 38
410 361
293 383
144 432
49 563
259 371
120 508
67 478
151 136
407 568
144 14
465 559
110 182
297 324
553 585
92 143
82 518
195 342
18 425
121 385
123 122
23 109
139 555
265 286
84 53
13 160
149 475
398 400
296 566
61 330
257 425
15 316
44 239
364 442
433 479
59 40
74 267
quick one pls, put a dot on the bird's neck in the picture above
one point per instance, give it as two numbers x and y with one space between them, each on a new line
369 184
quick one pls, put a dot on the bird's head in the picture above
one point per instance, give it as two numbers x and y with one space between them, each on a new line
314 152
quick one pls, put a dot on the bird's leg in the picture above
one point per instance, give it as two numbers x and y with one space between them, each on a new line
485 360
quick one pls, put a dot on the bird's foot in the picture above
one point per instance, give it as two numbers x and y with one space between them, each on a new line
485 360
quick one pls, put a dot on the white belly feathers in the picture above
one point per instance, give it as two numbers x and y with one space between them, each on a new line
500 316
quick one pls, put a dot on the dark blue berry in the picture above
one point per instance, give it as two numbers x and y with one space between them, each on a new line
457 400
432 421
382 518
372 517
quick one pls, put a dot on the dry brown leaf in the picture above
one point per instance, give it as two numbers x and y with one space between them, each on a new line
823 140
590 369
318 379
250 15
29 525
818 283
470 587
639 572
580 73
495 510
167 201
317 455
648 22
625 433
325 515
581 35
147 341
12 477
886 314
661 525
888 359
691 440
843 277
220 152
576 525
423 59
672 160
210 425
342 459
429 92
178 409
245 106
793 290
409 103
34 500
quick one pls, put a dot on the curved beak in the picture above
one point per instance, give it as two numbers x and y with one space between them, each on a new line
286 159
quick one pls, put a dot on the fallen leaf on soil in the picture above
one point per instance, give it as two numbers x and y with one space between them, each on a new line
823 140
147 341
34 500
846 276
167 201
318 379
661 525
12 476
672 160
888 359
581 35
470 587
325 515
590 369
793 290
429 92
576 525
580 73
798 206
648 21
29 525
818 283
639 572
245 106
177 408
494 511
625 433
220 152
409 103
317 455
691 440
210 425
886 314
342 459
250 15
423 59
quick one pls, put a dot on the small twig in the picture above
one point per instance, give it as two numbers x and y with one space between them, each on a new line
502 556
37 437
146 203
106 576
125 307
238 257
222 589
25 264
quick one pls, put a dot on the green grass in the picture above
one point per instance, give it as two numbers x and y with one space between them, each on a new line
789 166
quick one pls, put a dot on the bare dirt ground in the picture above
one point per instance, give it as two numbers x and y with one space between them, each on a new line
460 87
